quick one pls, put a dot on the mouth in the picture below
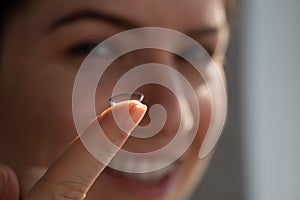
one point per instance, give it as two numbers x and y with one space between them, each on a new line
149 184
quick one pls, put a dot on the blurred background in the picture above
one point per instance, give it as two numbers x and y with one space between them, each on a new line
257 157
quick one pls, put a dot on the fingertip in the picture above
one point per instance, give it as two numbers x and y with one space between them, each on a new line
3 181
137 111
10 184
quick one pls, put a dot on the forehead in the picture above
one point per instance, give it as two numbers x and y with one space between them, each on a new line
176 14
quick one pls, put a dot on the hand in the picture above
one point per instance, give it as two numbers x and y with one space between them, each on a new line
65 178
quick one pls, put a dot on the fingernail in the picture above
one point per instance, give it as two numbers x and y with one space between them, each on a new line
3 178
137 111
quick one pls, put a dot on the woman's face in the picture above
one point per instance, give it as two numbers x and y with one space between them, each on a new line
43 46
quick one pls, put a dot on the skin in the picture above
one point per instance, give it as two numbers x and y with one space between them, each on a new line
36 81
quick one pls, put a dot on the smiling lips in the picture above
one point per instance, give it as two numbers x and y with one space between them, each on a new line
147 185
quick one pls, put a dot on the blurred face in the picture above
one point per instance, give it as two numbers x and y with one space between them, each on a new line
44 44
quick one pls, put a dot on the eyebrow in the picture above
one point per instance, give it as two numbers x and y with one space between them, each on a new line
209 30
93 15
90 14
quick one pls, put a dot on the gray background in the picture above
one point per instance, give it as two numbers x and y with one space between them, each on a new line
223 179
258 157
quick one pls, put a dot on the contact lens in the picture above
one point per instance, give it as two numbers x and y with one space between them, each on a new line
125 97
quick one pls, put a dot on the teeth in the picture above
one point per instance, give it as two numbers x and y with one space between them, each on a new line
150 177
137 164
141 165
144 166
129 165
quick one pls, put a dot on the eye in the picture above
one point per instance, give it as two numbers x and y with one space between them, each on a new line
85 48
102 51
197 54
82 49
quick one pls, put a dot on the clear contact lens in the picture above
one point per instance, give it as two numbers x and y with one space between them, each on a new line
125 97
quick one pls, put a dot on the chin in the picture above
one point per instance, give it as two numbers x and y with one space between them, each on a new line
174 182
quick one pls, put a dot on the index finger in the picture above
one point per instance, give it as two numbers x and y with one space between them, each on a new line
73 173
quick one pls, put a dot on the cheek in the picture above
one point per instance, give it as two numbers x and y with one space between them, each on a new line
37 112
204 99
193 168
38 98
190 175
44 88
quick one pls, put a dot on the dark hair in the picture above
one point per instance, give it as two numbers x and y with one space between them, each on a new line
8 7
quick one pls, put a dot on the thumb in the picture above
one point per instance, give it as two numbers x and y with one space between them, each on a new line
9 185
74 172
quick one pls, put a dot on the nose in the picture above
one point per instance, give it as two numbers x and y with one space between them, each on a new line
155 93
153 56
